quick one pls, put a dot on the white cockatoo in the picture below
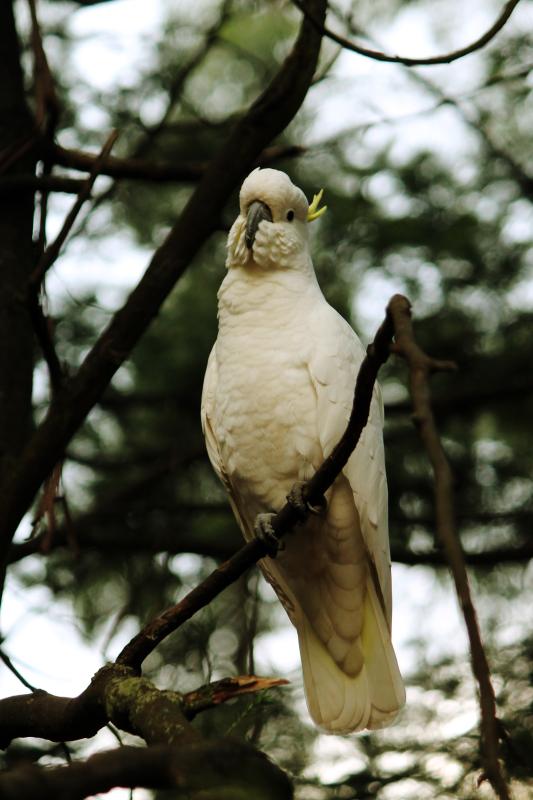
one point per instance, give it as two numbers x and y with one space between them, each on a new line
277 396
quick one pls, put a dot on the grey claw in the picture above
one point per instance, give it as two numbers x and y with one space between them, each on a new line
265 533
297 499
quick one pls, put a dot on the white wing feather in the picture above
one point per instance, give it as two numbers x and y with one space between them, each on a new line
211 443
333 366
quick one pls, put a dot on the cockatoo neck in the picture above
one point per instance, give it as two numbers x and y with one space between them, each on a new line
253 292
277 247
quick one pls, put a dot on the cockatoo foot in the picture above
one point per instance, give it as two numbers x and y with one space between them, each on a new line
265 533
298 501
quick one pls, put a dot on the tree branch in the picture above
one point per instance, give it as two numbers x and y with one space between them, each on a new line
10 184
285 520
217 769
377 55
160 717
52 252
40 323
265 119
56 718
420 368
213 694
158 171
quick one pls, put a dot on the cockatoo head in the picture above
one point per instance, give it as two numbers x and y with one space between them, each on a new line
271 229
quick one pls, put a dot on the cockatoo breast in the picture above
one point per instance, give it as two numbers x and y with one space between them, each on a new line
266 410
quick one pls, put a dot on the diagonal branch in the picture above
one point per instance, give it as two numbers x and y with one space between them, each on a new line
420 368
41 324
377 55
285 520
265 119
52 252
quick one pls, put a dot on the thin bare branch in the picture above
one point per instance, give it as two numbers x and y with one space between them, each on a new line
177 85
46 100
41 324
213 694
12 668
377 55
42 328
47 109
52 252
420 368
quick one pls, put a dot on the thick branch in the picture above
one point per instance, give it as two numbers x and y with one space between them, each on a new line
115 694
420 368
216 769
266 118
10 184
16 257
377 55
56 718
160 717
285 520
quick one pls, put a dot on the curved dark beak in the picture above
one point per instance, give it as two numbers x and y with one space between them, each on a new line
257 212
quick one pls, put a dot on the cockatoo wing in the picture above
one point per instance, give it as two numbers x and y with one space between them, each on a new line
367 693
333 366
246 524
213 449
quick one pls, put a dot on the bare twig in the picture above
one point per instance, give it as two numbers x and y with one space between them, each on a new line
284 521
420 368
47 110
181 77
213 694
42 328
517 171
41 324
377 55
47 103
52 252
12 668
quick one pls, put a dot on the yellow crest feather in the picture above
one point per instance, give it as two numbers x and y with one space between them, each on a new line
314 211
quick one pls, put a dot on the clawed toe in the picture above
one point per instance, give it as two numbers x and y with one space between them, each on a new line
298 500
265 533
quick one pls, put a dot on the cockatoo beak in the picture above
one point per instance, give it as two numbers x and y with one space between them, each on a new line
257 212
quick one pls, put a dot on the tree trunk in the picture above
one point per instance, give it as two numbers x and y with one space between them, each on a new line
17 253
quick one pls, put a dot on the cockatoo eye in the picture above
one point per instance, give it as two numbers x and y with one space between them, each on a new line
290 215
